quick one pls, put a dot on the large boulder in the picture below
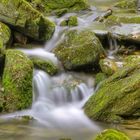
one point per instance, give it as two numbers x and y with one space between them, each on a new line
79 49
59 7
5 35
20 15
111 134
117 97
17 81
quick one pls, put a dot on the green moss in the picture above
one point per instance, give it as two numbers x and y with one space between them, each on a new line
64 23
123 18
79 49
117 97
132 4
100 77
131 59
108 66
72 21
17 81
25 19
5 35
111 134
45 65
59 7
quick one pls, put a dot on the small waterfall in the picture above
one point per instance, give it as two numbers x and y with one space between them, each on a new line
54 104
113 47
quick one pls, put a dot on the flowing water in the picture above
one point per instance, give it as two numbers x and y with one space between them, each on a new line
56 111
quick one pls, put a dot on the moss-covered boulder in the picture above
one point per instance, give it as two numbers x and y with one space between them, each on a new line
79 49
5 34
117 97
111 134
59 7
20 15
108 66
45 65
17 81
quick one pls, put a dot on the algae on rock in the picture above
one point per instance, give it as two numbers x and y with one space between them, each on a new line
131 4
111 134
20 15
5 35
79 49
45 65
17 81
71 21
59 7
118 97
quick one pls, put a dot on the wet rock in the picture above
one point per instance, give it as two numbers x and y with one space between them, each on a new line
108 66
126 32
59 7
17 81
21 16
117 97
111 134
45 65
79 50
20 38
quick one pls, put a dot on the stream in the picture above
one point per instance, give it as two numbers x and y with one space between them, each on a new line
56 112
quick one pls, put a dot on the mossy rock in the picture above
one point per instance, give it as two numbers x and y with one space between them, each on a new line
108 66
125 4
20 15
117 97
5 35
17 81
71 21
20 38
131 59
79 49
111 134
123 18
59 7
100 77
45 65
